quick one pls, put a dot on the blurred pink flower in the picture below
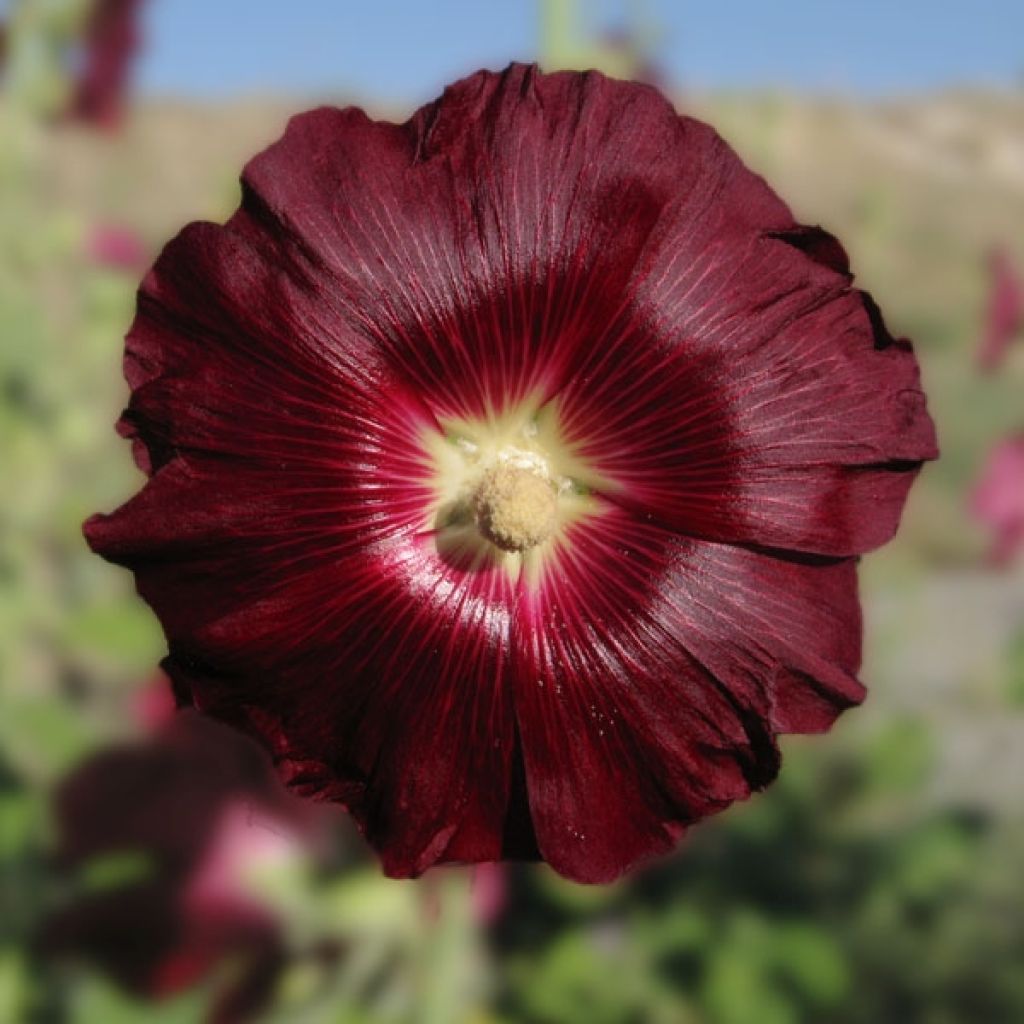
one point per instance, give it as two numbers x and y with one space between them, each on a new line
154 705
997 501
1004 313
110 43
489 891
116 247
196 810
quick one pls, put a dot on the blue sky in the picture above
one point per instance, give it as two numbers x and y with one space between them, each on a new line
404 51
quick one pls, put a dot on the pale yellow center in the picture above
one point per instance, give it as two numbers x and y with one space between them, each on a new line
516 508
508 490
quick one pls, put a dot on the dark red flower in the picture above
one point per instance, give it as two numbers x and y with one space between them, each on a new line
508 469
997 501
110 43
1004 310
184 817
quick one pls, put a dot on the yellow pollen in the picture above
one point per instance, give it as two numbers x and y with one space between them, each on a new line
515 507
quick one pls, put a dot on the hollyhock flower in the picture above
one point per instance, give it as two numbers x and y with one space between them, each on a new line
189 815
507 470
116 247
110 43
997 501
1004 311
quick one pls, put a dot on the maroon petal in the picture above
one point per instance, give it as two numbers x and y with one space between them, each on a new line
751 395
656 674
370 678
481 259
291 554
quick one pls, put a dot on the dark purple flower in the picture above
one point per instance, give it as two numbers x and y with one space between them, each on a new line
110 43
508 469
997 501
1004 310
188 815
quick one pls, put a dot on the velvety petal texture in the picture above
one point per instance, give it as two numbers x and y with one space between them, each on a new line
507 470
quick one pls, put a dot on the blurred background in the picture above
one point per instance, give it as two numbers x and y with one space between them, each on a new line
151 870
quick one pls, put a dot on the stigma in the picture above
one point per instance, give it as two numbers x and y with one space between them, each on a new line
515 506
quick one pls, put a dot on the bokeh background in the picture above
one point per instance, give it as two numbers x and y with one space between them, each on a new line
149 869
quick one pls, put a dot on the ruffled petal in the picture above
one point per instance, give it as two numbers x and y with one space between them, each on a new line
487 242
654 675
371 677
752 396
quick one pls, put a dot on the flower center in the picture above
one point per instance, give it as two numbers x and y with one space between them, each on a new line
515 507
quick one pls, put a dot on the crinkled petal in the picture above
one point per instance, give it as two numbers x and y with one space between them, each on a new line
372 678
487 242
752 396
287 480
654 676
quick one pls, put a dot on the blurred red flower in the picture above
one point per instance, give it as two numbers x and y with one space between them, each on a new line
1004 312
109 46
185 817
508 470
997 501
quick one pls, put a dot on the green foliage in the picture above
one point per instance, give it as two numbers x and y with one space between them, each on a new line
1015 670
95 1001
816 907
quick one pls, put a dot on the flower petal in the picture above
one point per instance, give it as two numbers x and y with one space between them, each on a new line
287 478
752 395
489 258
371 677
655 674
